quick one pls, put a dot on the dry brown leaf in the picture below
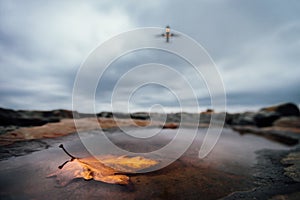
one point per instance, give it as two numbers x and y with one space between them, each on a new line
110 169
127 164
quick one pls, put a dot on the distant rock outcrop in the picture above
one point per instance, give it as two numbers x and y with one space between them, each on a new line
170 126
264 117
246 118
140 115
286 109
31 118
267 116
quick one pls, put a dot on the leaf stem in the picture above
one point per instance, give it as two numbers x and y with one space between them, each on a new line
63 148
61 166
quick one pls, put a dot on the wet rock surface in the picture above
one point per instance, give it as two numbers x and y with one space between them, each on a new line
292 160
277 134
26 147
271 180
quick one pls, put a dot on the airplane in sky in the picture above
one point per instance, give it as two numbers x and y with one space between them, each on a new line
168 34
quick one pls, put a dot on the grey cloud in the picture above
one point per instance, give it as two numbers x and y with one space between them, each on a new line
255 45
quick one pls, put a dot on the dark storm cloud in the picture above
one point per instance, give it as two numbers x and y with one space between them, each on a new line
255 45
42 46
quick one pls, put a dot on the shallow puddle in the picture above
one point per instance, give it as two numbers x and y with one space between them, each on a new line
226 169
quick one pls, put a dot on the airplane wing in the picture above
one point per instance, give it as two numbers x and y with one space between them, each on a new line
174 35
160 35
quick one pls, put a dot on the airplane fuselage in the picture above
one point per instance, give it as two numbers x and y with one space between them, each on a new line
167 34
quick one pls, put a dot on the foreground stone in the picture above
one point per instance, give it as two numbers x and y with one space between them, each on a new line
293 170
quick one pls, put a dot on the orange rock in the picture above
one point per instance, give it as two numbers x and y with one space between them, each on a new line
170 126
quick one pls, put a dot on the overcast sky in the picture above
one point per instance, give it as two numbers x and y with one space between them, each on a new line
255 45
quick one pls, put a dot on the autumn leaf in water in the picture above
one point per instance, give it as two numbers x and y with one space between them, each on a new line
111 169
127 164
